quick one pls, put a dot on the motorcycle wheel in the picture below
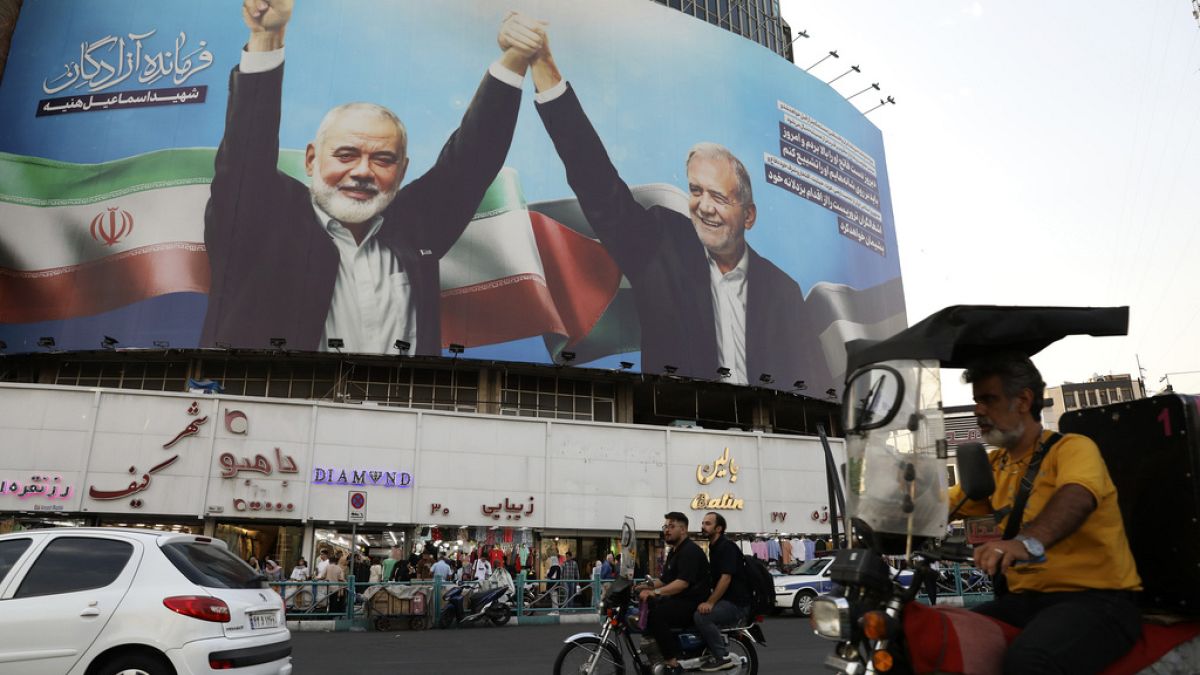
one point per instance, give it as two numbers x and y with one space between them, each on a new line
499 614
574 657
743 648
446 619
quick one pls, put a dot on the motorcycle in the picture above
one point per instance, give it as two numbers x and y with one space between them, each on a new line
606 651
464 607
895 496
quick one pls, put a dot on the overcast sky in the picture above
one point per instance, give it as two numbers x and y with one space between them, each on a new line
1039 153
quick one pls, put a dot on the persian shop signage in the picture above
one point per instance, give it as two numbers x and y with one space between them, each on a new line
361 477
721 467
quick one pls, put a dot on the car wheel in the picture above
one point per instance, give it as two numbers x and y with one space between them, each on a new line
803 604
135 663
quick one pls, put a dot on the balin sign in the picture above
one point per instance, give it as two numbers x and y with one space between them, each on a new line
721 467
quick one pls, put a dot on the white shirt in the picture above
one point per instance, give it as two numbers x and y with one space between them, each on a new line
321 565
729 311
372 297
483 569
372 303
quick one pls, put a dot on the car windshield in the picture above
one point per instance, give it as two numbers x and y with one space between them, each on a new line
212 566
811 567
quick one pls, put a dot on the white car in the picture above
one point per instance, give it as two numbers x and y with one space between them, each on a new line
103 601
796 591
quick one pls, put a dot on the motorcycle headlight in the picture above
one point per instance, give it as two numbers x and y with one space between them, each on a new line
831 617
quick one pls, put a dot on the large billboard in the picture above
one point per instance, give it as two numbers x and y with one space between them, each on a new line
604 183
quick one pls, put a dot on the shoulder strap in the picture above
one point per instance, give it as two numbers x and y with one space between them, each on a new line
1035 462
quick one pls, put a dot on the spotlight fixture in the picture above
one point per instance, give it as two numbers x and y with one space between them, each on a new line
335 343
723 372
831 392
109 342
222 345
626 365
766 378
162 344
278 343
567 357
456 349
403 346
799 385
46 342
669 369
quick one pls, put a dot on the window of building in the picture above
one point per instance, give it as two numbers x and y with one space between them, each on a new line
1103 397
1069 400
425 388
557 398
170 376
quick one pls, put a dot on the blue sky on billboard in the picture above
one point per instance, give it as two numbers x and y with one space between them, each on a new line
1039 153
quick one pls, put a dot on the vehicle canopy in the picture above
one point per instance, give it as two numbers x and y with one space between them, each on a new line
895 435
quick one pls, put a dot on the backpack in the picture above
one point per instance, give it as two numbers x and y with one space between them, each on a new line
760 584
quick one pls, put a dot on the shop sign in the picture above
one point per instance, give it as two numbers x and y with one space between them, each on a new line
231 466
510 510
721 467
726 501
241 505
48 486
135 486
821 515
364 477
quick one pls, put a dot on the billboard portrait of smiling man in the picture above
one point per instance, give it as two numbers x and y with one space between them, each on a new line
355 256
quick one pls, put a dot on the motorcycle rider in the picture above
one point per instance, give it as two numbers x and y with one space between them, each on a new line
674 598
1075 604
729 601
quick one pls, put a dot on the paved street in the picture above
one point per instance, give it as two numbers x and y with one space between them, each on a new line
791 648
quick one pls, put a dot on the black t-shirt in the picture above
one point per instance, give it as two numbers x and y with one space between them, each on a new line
724 557
687 562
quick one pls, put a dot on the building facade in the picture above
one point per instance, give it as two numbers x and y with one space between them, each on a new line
757 20
1097 391
290 475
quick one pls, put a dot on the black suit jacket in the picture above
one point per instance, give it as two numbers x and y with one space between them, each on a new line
659 252
273 263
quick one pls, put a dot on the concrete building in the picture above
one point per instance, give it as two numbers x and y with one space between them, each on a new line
757 20
1098 390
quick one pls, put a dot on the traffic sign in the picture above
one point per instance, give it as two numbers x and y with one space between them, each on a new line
358 507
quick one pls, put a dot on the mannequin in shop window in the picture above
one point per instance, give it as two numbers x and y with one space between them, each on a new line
273 571
300 571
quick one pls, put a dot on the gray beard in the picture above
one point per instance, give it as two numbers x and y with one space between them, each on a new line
1005 439
347 210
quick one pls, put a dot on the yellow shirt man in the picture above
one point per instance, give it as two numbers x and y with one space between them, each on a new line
1097 555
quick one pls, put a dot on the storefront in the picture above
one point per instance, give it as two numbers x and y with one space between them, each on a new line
284 479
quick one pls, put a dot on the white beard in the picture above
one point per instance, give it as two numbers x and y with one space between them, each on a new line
1004 439
347 210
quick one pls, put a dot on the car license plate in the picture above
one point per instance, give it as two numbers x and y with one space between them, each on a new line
264 620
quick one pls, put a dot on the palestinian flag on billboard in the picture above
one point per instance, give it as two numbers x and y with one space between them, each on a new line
83 239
